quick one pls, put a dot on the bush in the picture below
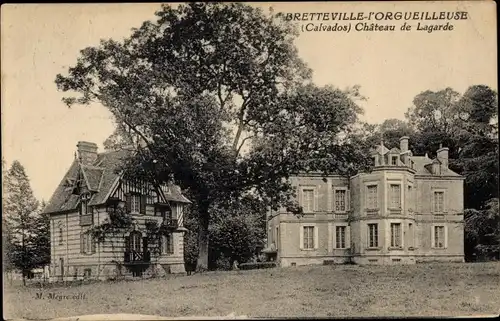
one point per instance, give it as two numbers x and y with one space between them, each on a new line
257 265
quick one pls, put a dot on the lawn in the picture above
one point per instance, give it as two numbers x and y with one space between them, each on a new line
320 291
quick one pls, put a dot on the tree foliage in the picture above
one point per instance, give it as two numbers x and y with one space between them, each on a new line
482 228
236 233
202 82
28 232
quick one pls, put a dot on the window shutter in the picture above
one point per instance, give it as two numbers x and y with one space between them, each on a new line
143 204
80 205
316 240
368 236
347 200
348 237
82 243
301 237
432 236
128 203
144 244
93 242
127 243
316 198
446 236
171 244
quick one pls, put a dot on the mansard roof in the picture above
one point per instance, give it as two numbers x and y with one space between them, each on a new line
100 178
422 166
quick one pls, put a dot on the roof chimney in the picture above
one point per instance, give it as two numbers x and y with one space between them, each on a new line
87 152
403 143
403 146
442 155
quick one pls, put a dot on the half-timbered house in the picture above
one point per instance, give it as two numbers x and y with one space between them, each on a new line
91 190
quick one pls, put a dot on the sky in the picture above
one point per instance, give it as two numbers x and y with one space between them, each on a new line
38 41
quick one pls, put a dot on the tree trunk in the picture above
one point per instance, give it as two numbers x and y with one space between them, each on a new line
24 258
202 262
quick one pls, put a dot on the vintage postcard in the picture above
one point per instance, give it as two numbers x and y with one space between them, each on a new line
250 160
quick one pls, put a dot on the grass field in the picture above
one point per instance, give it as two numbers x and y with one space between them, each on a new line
341 290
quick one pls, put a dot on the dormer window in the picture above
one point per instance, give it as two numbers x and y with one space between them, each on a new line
394 160
84 204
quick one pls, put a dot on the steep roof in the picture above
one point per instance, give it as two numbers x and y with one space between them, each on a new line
100 178
380 149
422 166
63 198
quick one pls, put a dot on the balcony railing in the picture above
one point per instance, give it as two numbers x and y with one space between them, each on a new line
137 257
371 211
395 211
170 223
86 219
341 216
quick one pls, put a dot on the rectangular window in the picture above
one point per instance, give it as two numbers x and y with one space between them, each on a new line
394 160
340 200
167 244
135 203
373 235
308 237
308 200
340 237
395 196
439 202
84 207
60 236
396 235
439 237
87 243
372 197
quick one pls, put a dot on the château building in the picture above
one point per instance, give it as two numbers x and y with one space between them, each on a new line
408 209
89 192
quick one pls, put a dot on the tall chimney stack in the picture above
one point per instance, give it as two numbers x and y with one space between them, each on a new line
403 143
442 155
87 152
403 146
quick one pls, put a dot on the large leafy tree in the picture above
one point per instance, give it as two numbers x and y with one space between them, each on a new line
482 229
219 97
236 232
477 135
41 237
20 209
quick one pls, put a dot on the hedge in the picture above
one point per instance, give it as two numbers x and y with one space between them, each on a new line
257 265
